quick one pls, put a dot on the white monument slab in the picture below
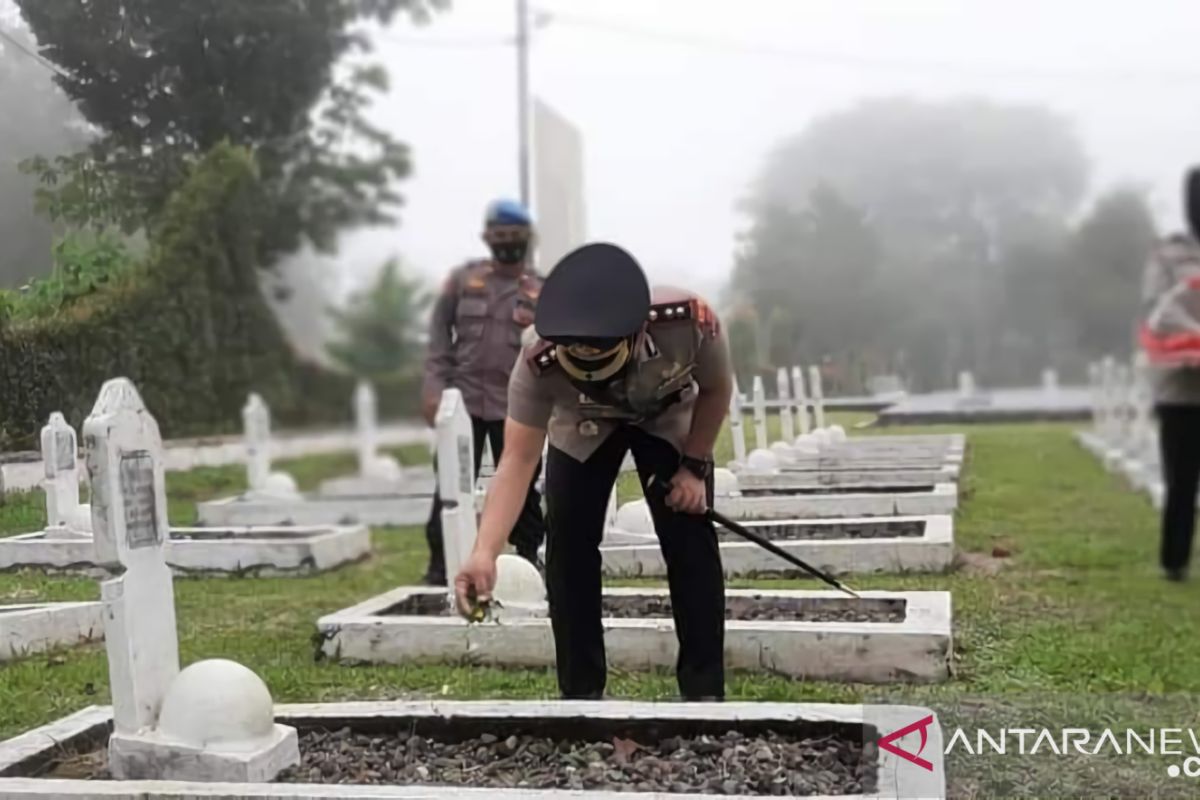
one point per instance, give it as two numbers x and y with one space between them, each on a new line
786 424
1050 380
737 426
379 476
817 392
263 483
801 397
129 519
760 414
65 515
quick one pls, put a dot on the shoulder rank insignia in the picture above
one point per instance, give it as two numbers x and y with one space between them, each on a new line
475 274
543 357
695 310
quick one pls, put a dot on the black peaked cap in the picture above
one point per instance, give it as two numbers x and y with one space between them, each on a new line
597 292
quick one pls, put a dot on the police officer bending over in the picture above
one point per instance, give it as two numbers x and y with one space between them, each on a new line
616 371
475 338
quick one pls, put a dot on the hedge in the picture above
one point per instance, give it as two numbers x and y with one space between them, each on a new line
189 326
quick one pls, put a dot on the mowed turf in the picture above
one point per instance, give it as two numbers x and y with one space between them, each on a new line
1061 619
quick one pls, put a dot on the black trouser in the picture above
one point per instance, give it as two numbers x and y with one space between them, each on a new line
1179 441
576 498
529 532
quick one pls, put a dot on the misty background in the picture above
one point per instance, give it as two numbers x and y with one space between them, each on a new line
915 188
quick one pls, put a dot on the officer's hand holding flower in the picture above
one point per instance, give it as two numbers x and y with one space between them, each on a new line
475 581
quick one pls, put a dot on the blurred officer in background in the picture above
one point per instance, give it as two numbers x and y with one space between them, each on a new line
475 338
619 370
1170 336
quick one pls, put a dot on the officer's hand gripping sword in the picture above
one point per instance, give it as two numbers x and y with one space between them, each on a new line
656 484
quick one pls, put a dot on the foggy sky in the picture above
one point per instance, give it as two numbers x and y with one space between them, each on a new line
674 133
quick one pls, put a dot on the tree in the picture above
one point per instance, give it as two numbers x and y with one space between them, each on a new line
47 123
945 189
164 82
1108 253
380 327
811 273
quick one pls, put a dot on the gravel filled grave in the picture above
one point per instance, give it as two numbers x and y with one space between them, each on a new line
218 534
652 606
756 491
816 759
728 763
794 531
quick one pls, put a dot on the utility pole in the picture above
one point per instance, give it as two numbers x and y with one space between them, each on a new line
523 104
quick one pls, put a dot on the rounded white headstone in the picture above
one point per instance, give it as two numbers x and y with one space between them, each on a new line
384 467
81 518
518 583
725 482
806 447
762 461
634 517
837 434
783 450
218 704
280 484
820 437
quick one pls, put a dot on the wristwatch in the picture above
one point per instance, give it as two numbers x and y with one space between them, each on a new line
700 467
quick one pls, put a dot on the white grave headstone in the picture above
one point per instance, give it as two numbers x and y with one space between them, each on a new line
801 396
760 414
456 481
1143 409
736 425
1120 404
817 393
1050 381
1109 395
725 483
256 430
762 462
786 425
366 420
487 462
635 517
1096 396
236 739
65 516
966 385
610 511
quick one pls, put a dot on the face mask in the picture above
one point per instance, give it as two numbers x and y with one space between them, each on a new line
509 253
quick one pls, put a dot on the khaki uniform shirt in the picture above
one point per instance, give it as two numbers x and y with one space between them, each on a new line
476 335
682 349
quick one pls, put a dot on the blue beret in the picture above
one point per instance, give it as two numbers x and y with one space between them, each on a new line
507 212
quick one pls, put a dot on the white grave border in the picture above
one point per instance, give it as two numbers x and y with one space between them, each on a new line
896 778
915 650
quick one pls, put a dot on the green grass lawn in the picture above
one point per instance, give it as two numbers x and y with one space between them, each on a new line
1074 628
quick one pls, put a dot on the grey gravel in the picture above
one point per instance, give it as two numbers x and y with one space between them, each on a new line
740 608
729 764
807 531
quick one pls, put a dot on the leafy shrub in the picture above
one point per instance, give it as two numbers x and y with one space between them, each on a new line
188 325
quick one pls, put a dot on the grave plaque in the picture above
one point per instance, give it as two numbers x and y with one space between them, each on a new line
466 481
64 450
137 496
